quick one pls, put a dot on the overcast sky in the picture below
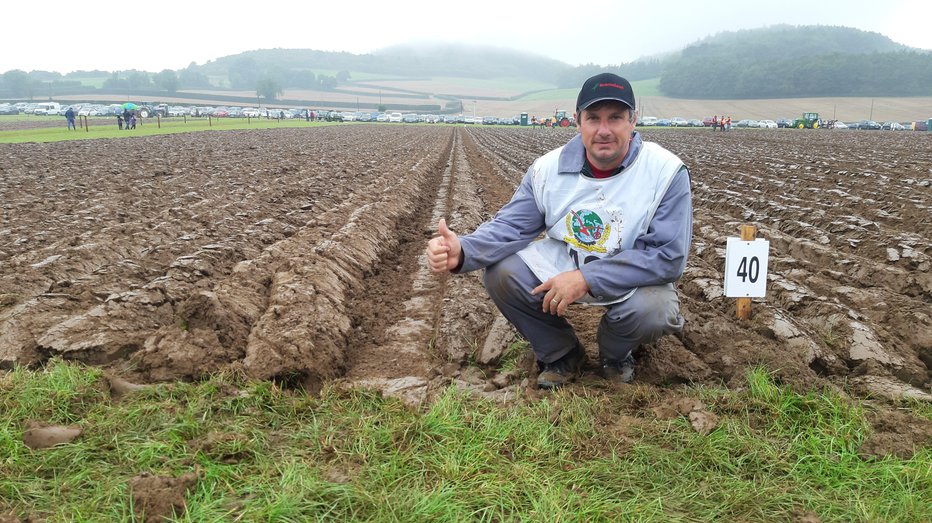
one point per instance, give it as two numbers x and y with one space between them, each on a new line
114 35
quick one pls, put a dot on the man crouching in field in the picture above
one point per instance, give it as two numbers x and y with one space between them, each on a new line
617 212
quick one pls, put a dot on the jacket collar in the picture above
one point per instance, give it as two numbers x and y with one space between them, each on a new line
573 156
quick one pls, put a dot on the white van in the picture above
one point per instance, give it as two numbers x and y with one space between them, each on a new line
46 108
395 117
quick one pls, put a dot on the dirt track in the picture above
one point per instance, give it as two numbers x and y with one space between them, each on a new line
297 254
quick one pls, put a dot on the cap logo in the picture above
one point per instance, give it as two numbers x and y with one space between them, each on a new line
609 85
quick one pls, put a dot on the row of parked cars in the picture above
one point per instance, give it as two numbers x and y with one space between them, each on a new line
866 125
164 110
650 121
80 109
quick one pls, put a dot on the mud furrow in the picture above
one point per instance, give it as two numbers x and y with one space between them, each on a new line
391 310
405 327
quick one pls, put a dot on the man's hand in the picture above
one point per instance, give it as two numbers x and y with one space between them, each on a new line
444 251
562 290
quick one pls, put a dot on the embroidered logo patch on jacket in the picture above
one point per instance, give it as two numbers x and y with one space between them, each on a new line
589 231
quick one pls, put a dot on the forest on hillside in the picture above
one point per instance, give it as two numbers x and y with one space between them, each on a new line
790 62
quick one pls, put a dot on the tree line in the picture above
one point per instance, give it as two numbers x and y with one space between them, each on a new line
241 76
789 61
880 74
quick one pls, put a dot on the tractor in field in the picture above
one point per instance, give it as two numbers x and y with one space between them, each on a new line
563 119
808 121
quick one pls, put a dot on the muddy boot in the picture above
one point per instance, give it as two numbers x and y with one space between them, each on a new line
563 371
618 372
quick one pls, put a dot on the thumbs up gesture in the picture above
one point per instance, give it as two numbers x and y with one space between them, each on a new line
444 251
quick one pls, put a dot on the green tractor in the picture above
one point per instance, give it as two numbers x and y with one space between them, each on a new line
563 118
808 121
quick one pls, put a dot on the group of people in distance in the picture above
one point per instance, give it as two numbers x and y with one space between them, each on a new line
127 120
723 123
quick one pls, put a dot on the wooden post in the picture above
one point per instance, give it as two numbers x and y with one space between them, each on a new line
748 234
209 122
158 119
86 128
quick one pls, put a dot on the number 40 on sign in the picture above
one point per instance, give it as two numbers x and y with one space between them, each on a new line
746 268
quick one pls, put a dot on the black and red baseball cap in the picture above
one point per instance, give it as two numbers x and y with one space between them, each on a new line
605 86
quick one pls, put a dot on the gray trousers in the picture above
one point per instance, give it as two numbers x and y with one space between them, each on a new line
648 314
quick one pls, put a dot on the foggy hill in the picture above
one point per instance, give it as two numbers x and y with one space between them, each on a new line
797 61
773 62
408 60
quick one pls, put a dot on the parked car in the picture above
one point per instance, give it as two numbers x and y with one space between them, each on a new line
921 125
46 108
409 118
767 124
839 125
784 123
893 126
695 123
395 117
707 121
648 121
663 122
869 125
677 121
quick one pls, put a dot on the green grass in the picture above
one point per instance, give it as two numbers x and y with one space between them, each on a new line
566 96
149 127
22 117
267 454
515 85
647 87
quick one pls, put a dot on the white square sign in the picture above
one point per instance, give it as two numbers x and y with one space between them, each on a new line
746 268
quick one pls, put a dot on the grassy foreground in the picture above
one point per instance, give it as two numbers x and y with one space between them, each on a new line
266 454
149 127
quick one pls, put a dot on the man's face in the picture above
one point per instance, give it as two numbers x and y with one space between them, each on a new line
606 133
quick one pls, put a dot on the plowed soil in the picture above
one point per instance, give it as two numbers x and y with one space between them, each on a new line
297 255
